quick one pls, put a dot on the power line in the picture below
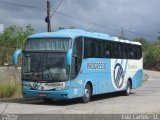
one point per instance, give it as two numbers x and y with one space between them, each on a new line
81 19
138 33
56 8
77 18
122 33
106 27
21 5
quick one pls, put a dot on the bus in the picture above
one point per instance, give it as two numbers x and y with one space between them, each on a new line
73 63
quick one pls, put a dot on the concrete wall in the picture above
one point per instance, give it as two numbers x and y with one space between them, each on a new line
10 73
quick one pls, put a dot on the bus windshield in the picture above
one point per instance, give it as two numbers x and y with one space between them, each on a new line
45 66
58 44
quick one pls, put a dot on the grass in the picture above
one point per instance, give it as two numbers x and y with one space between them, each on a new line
10 90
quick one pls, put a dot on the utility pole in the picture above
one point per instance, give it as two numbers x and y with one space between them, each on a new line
47 19
122 33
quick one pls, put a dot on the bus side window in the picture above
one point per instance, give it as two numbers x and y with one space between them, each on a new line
100 49
76 57
139 52
131 52
87 48
107 50
125 51
118 51
94 48
90 48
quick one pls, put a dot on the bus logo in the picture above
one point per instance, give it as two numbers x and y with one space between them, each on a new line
118 76
35 85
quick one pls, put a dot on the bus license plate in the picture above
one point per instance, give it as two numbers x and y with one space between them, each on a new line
42 95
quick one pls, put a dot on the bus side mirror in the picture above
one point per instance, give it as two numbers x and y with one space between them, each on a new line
15 56
69 57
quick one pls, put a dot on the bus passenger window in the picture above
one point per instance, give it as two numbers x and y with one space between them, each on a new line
125 53
131 52
108 50
118 51
107 53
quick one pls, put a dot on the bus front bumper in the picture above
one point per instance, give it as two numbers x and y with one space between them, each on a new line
56 95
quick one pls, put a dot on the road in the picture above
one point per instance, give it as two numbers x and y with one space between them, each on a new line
146 99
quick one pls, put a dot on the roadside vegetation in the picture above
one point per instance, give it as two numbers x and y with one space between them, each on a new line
12 38
10 90
151 53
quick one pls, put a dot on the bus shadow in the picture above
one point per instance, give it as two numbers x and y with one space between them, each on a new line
108 96
77 100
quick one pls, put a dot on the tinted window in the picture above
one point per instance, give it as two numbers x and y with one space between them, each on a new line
125 51
90 48
118 50
95 48
77 57
108 49
134 52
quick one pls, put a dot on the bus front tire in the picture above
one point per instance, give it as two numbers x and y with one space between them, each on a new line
127 92
87 94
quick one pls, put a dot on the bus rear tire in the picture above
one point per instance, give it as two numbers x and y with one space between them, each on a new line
87 94
127 92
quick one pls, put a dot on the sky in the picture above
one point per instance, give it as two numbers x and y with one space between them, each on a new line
139 18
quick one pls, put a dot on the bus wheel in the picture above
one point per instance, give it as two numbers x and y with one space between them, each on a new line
47 100
87 94
127 92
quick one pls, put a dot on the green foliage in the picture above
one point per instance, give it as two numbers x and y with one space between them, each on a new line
12 38
151 53
61 28
159 37
15 36
8 89
144 42
70 27
152 56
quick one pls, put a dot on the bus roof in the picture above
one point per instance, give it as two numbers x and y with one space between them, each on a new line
125 41
73 33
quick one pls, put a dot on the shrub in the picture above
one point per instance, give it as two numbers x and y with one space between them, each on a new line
8 89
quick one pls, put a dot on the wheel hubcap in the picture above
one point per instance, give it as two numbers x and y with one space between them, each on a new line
87 93
129 89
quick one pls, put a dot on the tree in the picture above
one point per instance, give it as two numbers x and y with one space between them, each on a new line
15 36
12 38
144 43
152 57
70 27
159 37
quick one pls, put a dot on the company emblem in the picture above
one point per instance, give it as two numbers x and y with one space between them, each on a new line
118 76
35 85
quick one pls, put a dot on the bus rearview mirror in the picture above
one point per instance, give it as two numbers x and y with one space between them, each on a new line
69 57
15 56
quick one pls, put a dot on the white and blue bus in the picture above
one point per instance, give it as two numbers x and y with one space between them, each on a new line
73 63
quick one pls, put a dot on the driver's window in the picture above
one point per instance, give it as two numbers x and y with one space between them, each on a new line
76 57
